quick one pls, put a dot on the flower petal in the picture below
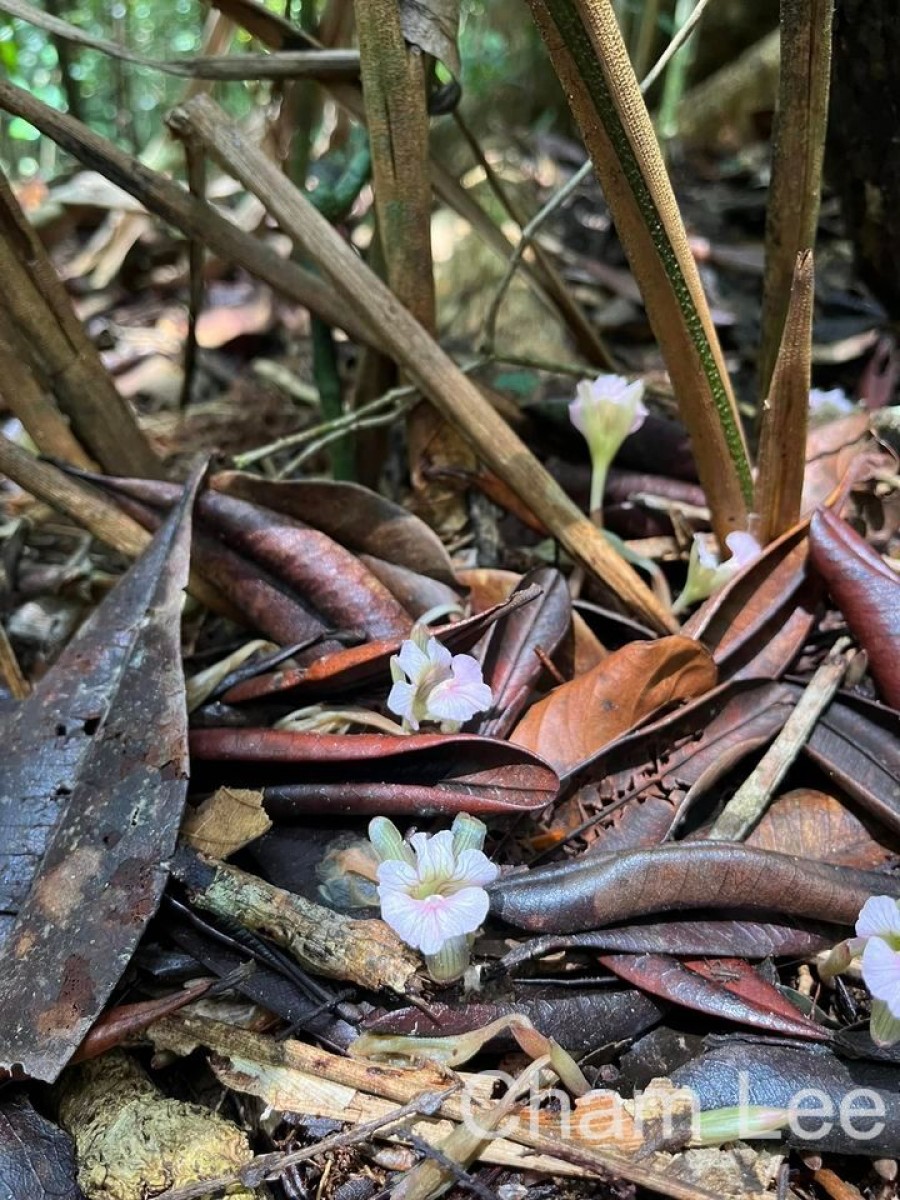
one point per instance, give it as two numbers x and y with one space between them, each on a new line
438 654
884 1027
436 861
432 929
401 912
743 546
474 868
396 875
413 661
461 697
880 917
401 700
463 912
881 973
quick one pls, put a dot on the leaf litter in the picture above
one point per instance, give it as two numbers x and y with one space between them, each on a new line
608 750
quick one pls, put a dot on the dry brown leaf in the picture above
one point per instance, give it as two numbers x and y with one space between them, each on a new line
579 717
225 822
815 825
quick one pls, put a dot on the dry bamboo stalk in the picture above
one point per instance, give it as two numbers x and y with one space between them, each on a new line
98 515
798 139
394 93
426 364
55 340
785 413
26 399
590 58
188 214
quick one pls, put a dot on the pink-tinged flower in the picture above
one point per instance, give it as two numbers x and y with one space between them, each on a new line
879 925
431 684
878 940
605 412
706 574
431 889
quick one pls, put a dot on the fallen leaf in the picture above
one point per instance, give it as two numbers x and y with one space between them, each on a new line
816 825
369 774
866 591
37 1160
728 989
580 717
96 772
598 890
225 822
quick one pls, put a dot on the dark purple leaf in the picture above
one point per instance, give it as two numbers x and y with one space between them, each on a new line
740 1072
733 939
37 1160
580 1022
598 890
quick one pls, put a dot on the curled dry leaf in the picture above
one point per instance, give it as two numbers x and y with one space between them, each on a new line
580 717
368 664
866 591
371 773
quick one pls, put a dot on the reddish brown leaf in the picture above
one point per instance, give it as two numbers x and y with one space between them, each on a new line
366 774
815 825
602 889
105 734
729 989
866 591
368 664
580 717
489 586
417 593
511 657
128 1020
354 516
756 625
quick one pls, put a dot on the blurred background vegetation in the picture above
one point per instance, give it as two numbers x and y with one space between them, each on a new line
507 80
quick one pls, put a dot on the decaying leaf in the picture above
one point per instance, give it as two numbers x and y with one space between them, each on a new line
99 749
867 592
225 822
37 1160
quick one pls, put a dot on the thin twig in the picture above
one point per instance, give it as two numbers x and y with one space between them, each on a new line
752 798
10 671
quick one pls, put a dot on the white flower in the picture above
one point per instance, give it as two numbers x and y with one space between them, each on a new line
431 684
431 889
706 574
878 928
605 412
